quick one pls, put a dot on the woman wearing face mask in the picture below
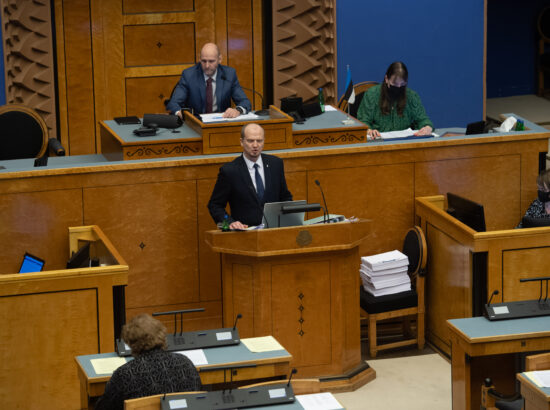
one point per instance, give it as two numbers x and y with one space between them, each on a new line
391 106
540 207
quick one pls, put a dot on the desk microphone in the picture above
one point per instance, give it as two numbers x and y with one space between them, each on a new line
237 318
325 211
263 111
292 373
495 292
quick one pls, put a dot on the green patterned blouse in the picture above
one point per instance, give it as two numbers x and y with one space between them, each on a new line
414 115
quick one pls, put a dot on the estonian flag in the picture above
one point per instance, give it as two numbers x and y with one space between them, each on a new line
349 95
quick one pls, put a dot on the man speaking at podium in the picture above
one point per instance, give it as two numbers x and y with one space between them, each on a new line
209 87
248 182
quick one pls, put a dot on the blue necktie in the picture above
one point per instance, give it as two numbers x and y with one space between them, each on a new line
259 184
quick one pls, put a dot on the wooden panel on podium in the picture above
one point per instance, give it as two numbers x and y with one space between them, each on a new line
49 317
452 282
299 284
224 137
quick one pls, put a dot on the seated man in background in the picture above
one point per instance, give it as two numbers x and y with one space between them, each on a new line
248 182
209 87
153 370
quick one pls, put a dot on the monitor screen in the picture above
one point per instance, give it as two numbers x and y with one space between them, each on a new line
81 258
530 222
31 263
274 218
466 211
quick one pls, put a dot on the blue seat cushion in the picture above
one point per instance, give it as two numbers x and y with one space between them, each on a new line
386 303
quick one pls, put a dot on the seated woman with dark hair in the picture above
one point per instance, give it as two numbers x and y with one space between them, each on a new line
391 106
153 370
540 207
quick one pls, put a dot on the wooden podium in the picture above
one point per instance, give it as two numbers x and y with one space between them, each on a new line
301 285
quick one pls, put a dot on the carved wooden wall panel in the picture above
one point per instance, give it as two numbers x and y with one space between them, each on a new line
304 49
28 57
108 50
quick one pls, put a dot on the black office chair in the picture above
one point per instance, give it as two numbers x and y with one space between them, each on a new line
360 89
400 305
24 134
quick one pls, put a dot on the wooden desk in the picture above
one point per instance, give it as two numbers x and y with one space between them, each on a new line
465 267
481 348
195 138
49 317
536 398
300 284
273 364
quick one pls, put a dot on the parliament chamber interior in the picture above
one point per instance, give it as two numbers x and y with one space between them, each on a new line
424 287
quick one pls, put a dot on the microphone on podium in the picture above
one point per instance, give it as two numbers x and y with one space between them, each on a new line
264 111
326 215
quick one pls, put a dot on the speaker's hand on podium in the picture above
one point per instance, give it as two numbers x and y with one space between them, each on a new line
237 226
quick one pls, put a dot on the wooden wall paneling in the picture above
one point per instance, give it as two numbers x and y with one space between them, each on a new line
37 222
76 71
146 95
382 193
108 58
304 49
158 241
76 332
524 263
259 55
29 57
157 6
462 177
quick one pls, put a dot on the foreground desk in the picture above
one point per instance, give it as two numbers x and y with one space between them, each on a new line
300 284
465 267
49 317
481 348
536 398
274 364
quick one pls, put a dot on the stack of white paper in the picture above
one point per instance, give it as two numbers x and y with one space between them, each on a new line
385 273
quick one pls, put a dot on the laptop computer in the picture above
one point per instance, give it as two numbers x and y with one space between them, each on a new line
274 218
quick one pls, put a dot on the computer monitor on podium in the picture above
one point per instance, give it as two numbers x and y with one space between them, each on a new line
466 211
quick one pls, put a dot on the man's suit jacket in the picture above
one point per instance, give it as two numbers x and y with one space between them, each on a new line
190 91
234 186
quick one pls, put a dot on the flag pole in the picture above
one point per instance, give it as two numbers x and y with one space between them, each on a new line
348 120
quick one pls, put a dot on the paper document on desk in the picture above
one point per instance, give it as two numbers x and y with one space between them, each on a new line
403 134
196 356
541 377
330 108
262 344
319 401
107 365
218 117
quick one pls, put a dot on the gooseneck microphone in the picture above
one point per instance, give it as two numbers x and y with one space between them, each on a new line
237 318
263 112
495 292
292 373
325 211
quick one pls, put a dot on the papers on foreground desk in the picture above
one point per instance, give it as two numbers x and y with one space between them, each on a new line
385 273
262 344
540 377
107 365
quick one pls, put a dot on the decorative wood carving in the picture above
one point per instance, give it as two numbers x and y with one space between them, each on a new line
304 49
28 57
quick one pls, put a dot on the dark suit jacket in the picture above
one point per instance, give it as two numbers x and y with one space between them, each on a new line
190 91
234 186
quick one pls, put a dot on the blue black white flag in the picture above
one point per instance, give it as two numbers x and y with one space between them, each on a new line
349 95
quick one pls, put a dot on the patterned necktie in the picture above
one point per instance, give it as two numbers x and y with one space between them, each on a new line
209 96
259 183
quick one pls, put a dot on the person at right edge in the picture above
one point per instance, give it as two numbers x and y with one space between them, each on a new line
540 207
391 106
